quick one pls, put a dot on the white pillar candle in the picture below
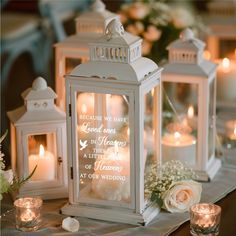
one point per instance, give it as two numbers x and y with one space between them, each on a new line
226 80
45 162
179 147
113 175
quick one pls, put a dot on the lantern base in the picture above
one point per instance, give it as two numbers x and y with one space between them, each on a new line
45 194
210 172
113 214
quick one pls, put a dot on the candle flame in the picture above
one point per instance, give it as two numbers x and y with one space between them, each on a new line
177 135
190 112
41 150
128 132
152 92
207 55
84 108
235 131
226 63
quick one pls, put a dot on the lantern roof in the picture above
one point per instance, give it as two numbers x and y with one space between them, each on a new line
117 55
187 41
96 16
39 90
38 105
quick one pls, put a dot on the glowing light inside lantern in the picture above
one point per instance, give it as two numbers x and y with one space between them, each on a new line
152 92
128 131
41 150
235 131
190 112
226 63
84 108
177 136
207 55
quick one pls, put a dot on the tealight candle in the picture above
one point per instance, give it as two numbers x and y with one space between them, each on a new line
28 213
226 80
205 219
191 118
179 147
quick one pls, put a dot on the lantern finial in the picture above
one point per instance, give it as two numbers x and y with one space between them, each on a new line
186 34
39 84
114 29
98 6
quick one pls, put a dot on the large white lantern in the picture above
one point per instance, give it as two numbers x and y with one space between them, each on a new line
113 135
38 137
221 36
189 97
74 49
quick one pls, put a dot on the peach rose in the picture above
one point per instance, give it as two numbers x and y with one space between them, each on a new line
182 195
146 47
152 34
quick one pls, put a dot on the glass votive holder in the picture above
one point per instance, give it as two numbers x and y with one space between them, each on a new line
28 213
205 219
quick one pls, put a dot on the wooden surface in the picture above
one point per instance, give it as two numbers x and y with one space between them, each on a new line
228 218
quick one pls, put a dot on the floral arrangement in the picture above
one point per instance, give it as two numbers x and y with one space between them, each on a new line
172 187
158 24
8 182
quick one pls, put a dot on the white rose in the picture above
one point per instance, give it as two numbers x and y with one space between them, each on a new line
182 195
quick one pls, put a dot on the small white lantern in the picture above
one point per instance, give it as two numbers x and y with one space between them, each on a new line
38 137
221 37
113 135
74 49
189 106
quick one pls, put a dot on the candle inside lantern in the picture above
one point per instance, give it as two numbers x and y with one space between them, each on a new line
28 213
231 129
112 173
226 80
205 219
191 118
45 162
180 147
85 104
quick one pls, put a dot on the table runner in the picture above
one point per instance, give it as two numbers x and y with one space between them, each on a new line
165 223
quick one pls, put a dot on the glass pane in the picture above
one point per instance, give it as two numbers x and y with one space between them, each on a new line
211 120
179 122
71 63
42 152
103 146
151 145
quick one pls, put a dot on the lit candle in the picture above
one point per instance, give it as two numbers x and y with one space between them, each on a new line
226 80
205 219
85 104
45 162
179 147
28 213
191 118
231 129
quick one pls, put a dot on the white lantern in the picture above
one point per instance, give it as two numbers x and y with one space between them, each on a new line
221 37
189 106
113 135
74 49
38 137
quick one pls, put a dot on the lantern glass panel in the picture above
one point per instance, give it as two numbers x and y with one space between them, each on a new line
151 145
71 63
211 120
42 151
179 122
103 148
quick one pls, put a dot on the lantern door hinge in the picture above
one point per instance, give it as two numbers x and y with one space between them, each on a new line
69 109
71 172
